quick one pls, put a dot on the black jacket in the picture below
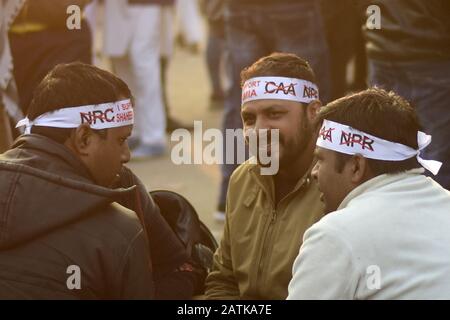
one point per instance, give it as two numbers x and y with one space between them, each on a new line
411 30
53 216
167 250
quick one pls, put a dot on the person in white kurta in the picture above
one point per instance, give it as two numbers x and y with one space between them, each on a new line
387 236
9 100
132 39
189 23
389 239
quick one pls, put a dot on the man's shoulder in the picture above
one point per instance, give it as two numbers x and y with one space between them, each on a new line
356 223
243 172
242 182
115 222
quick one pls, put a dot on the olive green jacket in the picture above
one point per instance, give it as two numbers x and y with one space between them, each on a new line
260 240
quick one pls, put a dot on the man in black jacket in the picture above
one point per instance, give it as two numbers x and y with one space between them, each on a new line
410 54
41 28
65 229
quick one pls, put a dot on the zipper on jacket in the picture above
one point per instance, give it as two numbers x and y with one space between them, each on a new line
274 216
267 236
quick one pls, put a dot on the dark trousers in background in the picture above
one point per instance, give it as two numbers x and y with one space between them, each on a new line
216 51
426 85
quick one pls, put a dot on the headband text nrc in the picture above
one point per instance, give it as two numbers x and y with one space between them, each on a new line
118 112
99 116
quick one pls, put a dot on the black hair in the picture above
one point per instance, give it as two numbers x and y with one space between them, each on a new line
281 65
380 113
70 85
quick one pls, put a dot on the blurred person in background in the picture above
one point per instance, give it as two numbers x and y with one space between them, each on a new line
40 39
410 54
9 108
343 20
132 39
167 47
90 13
189 28
217 55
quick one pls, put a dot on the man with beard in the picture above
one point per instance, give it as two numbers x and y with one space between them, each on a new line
266 215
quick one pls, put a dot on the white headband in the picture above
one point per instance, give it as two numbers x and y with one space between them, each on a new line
344 139
98 116
279 88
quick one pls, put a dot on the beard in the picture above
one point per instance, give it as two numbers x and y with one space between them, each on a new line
290 149
293 149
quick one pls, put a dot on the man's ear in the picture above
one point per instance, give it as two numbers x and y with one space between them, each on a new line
312 109
81 139
359 169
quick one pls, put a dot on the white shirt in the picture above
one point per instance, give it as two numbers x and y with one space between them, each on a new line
389 239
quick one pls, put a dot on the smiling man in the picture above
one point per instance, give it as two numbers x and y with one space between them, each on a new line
386 232
67 200
266 215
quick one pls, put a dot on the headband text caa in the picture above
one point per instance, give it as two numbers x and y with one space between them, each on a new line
293 89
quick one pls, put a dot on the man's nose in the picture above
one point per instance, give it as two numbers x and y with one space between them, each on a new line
126 154
262 124
315 172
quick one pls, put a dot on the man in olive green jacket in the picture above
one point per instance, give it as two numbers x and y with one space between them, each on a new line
266 215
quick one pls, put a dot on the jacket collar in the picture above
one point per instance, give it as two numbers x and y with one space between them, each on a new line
54 150
377 183
266 182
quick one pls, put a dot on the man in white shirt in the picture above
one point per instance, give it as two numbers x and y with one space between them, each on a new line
386 235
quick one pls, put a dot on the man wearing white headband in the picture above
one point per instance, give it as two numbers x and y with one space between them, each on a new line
386 234
266 215
74 218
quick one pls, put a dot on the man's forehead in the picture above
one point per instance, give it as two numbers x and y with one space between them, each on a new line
266 104
319 151
122 131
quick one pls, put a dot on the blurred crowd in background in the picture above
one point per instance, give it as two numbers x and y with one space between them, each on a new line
409 54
